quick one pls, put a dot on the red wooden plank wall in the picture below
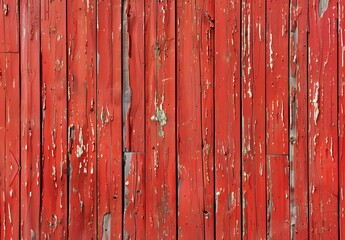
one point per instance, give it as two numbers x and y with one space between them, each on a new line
171 119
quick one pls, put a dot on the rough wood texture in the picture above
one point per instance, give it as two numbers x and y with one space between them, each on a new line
170 119
10 145
253 119
109 121
30 119
191 220
161 159
82 125
54 208
207 58
322 119
228 120
298 120
134 222
277 56
9 26
341 112
134 84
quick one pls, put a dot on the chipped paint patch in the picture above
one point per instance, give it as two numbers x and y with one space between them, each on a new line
160 115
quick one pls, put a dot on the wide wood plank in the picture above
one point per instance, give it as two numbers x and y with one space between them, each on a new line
228 119
322 119
54 208
189 143
160 85
30 119
109 120
253 119
82 62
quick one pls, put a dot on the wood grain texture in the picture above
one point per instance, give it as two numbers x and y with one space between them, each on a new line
10 145
228 120
298 120
207 58
30 43
82 50
160 89
341 112
2 149
134 84
253 94
134 222
278 214
54 209
322 119
277 81
9 22
191 222
109 120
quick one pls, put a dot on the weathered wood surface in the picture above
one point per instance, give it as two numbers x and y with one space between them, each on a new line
172 119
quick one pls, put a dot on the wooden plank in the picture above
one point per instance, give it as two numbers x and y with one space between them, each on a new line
82 50
134 84
189 144
277 40
2 148
134 223
253 120
10 146
109 120
322 120
298 123
9 22
278 214
30 119
54 120
228 120
160 77
207 12
341 112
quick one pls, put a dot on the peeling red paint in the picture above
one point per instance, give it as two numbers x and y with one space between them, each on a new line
172 119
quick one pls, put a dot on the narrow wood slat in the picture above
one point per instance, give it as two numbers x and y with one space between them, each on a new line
2 148
253 119
134 84
298 122
277 56
9 26
207 15
160 83
30 119
189 143
109 121
322 120
82 61
134 223
54 120
341 112
278 214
